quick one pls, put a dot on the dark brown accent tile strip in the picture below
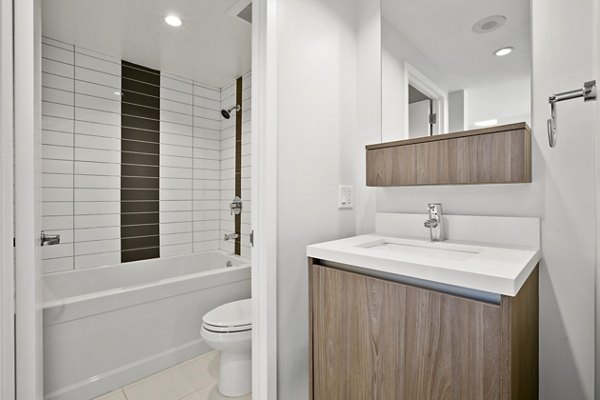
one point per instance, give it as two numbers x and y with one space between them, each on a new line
128 157
139 170
140 134
140 242
139 194
138 110
147 76
238 161
140 162
133 219
131 121
131 85
139 182
130 97
140 254
141 230
139 147
139 206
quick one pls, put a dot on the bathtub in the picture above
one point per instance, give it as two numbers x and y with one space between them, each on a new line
109 326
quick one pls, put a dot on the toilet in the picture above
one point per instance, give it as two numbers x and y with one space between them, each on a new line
228 329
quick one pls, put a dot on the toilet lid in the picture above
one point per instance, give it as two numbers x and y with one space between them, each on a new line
234 316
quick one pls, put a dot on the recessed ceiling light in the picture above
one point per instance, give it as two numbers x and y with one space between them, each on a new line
173 20
504 51
484 124
489 24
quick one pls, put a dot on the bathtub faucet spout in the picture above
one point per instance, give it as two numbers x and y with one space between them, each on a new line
230 236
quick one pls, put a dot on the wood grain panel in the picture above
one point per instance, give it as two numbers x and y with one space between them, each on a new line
472 157
396 164
376 339
452 347
520 328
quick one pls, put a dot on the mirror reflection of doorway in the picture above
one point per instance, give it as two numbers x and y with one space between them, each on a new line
420 121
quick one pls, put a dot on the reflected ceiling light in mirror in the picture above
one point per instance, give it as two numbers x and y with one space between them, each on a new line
487 123
173 20
489 24
504 51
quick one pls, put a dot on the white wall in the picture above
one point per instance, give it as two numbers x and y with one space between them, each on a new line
508 101
562 194
317 125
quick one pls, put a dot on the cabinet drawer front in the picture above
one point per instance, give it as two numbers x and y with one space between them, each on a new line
376 339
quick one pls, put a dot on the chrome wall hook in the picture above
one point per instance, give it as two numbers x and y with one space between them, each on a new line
588 92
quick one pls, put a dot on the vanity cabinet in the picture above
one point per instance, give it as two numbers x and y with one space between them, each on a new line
372 338
501 154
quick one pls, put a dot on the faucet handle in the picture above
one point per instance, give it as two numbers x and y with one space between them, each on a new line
434 208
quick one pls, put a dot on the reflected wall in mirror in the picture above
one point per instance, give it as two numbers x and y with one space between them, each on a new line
450 66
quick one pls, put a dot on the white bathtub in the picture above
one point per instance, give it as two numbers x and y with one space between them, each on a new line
109 326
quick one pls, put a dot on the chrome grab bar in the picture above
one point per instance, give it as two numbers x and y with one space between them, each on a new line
588 92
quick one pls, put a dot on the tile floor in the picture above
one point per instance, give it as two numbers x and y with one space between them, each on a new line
195 379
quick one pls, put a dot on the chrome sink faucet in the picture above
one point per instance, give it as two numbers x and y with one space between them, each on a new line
435 223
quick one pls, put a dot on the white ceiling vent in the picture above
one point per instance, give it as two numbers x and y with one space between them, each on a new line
242 10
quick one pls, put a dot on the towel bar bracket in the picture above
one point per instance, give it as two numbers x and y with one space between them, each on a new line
588 92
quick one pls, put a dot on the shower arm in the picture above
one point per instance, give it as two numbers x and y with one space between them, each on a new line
588 92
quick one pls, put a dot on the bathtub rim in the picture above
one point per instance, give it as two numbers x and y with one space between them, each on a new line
48 304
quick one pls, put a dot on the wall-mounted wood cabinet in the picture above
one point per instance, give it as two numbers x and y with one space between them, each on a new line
372 338
500 154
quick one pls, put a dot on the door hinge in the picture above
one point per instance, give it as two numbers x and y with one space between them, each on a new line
432 119
14 242
252 238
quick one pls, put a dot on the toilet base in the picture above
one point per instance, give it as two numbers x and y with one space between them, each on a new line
235 377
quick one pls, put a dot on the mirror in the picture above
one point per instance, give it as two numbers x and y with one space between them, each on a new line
454 65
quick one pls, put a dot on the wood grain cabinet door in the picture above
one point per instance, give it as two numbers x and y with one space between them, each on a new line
376 339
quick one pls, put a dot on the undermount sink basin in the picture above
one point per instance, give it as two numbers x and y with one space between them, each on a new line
408 247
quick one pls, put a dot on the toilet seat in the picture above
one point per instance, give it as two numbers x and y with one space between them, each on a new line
227 329
229 318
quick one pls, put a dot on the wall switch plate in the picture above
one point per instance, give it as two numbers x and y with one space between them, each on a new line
346 196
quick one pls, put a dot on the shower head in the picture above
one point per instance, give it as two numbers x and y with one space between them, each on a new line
227 113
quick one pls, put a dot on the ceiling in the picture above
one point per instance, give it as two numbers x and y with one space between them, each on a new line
211 46
442 31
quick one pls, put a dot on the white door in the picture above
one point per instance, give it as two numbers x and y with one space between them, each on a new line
418 118
27 120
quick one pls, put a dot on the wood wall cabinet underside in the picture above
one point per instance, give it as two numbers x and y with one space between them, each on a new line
492 155
377 339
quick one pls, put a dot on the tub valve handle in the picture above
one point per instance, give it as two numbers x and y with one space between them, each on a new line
49 240
236 206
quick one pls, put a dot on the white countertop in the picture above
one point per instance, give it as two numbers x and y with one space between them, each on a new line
493 268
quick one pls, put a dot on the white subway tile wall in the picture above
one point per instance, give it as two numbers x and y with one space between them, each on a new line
81 156
228 97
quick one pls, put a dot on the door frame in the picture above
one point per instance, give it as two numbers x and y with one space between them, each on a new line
439 96
27 193
7 276
264 199
28 354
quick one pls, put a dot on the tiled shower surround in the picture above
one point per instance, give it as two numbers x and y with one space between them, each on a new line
81 161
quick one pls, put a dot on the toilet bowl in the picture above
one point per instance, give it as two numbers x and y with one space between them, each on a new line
228 329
